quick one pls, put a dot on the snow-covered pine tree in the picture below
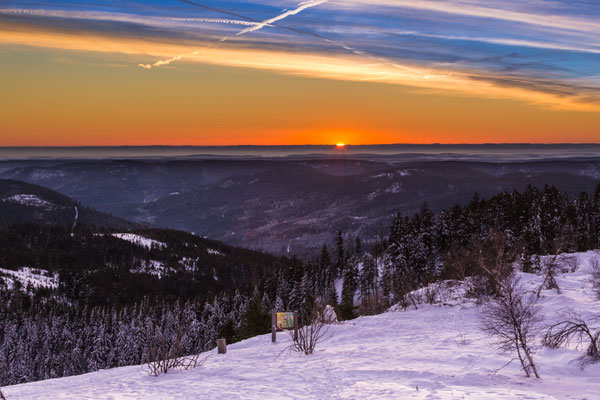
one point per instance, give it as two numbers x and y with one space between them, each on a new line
349 288
340 256
368 276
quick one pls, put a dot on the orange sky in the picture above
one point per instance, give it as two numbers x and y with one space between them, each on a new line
319 72
71 97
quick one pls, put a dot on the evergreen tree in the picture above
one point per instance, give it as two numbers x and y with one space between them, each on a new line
349 288
256 320
368 276
341 259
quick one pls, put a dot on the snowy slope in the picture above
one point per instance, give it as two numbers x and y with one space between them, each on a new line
29 200
433 352
30 277
139 240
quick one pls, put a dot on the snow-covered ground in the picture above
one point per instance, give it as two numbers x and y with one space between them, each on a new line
151 267
34 277
139 240
214 252
29 200
433 352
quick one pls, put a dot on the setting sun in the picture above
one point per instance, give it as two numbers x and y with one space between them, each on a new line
340 144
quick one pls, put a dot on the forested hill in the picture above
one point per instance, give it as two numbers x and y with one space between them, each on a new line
21 202
116 269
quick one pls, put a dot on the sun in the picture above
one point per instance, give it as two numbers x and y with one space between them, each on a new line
340 145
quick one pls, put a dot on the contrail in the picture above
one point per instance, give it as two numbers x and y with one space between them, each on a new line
301 7
258 25
272 22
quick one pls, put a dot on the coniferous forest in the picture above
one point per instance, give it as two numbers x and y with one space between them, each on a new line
114 297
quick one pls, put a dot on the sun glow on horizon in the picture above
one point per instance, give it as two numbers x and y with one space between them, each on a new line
340 145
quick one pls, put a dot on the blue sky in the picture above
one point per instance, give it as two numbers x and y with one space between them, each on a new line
546 46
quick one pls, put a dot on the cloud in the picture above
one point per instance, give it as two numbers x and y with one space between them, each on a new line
167 61
338 67
253 28
491 11
544 52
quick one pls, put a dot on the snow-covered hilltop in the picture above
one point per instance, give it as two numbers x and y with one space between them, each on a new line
433 351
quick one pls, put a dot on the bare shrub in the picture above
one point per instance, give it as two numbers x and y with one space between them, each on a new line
485 264
462 340
312 328
371 305
431 293
409 298
550 269
165 354
512 319
595 273
575 328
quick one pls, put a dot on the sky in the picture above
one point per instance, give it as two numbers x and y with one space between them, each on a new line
221 72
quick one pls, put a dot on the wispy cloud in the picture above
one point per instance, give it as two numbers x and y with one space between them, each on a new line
168 61
252 28
487 10
546 52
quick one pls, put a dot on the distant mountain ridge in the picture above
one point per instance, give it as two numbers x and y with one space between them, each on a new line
290 206
399 151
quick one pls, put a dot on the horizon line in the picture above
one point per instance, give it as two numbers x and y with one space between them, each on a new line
301 145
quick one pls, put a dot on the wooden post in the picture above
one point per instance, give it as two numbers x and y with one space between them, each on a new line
296 323
221 346
273 325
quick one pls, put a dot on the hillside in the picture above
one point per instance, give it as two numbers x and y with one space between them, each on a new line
436 351
22 202
292 205
124 267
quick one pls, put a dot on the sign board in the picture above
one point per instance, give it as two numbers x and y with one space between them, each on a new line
285 320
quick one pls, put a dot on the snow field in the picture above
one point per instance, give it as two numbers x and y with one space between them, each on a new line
433 352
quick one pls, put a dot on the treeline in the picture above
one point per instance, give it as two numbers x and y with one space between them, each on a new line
43 340
43 337
424 247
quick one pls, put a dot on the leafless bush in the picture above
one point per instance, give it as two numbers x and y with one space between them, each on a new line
595 272
486 264
512 319
312 329
371 305
549 269
409 298
431 293
461 340
575 328
167 354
